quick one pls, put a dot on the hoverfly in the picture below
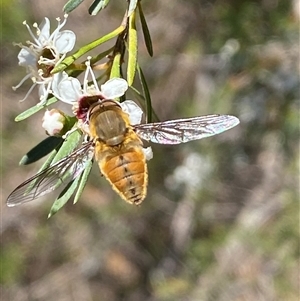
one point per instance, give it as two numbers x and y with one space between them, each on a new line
117 146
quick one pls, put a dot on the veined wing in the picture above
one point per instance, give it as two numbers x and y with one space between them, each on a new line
184 130
62 172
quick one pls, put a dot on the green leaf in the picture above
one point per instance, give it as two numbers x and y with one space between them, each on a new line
83 180
132 7
132 50
95 59
68 124
115 69
101 55
64 196
41 150
146 94
97 5
35 109
146 32
83 50
71 5
68 146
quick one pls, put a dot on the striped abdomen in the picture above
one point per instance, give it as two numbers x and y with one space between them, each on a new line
126 170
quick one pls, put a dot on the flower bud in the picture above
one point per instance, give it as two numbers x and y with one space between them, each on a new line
54 122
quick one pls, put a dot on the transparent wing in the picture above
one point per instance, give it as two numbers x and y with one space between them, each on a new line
184 130
62 172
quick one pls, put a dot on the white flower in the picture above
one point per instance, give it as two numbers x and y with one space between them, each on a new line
43 54
68 89
53 122
133 110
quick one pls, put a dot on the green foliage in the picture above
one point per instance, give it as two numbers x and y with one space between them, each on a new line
146 94
71 5
65 196
132 49
41 150
31 111
145 29
241 222
126 39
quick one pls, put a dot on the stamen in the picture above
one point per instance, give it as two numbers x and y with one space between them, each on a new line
31 33
59 27
18 44
38 31
61 59
21 82
44 94
53 51
34 48
89 69
46 61
43 81
40 73
85 79
27 94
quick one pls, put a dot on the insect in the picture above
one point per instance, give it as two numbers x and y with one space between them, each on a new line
117 146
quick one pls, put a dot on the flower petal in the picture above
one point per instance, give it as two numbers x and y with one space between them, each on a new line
65 88
26 58
133 110
53 122
45 30
65 41
57 78
43 93
114 88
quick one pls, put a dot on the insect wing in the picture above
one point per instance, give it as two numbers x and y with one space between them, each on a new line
184 130
62 172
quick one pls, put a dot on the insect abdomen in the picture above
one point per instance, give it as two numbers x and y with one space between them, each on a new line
127 172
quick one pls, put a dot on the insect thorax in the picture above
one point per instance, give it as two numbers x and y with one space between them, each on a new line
108 125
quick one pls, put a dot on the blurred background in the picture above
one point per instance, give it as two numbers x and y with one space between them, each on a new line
221 219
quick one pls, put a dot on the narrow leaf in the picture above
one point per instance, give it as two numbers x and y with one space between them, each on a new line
71 5
146 32
115 69
68 146
35 109
96 6
64 196
83 50
146 94
41 150
83 180
95 59
132 50
101 55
